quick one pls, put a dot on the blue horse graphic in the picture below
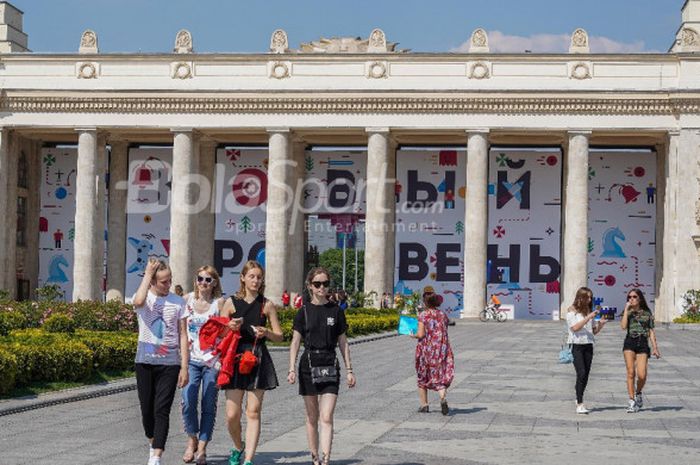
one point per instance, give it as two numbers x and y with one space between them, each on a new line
56 274
610 247
143 248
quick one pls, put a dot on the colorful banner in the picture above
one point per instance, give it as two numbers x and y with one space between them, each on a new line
335 182
523 265
621 225
148 211
429 192
241 197
57 218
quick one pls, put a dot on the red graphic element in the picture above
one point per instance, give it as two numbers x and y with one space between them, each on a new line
142 176
250 187
43 224
233 155
553 287
448 158
609 280
636 282
629 193
552 160
166 245
499 231
639 171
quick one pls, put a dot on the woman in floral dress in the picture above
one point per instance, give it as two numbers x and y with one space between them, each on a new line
435 364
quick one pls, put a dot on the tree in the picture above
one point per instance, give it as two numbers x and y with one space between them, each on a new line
332 260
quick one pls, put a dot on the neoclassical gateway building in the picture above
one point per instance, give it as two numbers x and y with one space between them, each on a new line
521 175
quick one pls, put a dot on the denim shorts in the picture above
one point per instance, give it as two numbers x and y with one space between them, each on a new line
638 345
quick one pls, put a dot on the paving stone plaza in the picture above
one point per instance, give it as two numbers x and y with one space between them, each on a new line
511 403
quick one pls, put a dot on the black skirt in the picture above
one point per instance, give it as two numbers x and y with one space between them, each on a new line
307 387
263 375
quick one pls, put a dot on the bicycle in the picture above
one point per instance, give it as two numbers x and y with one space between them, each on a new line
493 311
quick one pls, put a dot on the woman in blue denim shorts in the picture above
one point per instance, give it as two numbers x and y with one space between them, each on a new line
638 321
205 302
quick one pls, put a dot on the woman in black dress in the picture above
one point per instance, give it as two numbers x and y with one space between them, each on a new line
249 312
322 326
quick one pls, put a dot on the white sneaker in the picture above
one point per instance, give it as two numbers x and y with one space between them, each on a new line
582 410
638 399
154 461
632 406
151 452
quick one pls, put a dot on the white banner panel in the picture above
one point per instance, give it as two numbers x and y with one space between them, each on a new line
430 224
335 181
148 211
57 218
241 197
525 230
621 225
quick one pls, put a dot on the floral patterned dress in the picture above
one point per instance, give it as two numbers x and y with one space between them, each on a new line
435 363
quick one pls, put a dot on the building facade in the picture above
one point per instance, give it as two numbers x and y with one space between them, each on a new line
523 175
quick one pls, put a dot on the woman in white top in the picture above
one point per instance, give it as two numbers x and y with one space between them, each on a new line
205 302
579 320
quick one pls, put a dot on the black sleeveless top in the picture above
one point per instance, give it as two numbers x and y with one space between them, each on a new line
252 314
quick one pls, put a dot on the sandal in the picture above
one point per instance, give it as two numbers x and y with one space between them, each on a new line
424 409
201 459
188 456
443 407
315 460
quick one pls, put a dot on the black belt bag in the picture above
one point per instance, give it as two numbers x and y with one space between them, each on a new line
324 368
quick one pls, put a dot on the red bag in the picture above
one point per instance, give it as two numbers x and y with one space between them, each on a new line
247 362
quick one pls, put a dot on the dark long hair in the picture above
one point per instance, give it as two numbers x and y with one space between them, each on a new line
580 304
642 301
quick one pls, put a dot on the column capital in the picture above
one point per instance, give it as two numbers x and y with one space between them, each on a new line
279 130
476 131
182 129
579 132
86 129
377 130
674 132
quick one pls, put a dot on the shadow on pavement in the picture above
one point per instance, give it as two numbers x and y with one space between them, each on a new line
663 408
465 411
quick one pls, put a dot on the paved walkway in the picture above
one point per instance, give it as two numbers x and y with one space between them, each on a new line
511 404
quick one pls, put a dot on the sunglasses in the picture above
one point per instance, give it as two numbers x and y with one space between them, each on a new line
206 279
318 284
629 297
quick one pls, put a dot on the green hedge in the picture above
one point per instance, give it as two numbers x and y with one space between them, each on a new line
360 322
45 356
8 371
91 315
11 319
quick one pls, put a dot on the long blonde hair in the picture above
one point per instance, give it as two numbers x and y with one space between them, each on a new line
249 265
216 283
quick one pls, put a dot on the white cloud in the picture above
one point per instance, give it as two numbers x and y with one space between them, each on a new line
551 43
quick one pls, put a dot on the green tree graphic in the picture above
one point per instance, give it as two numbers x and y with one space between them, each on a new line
459 227
245 224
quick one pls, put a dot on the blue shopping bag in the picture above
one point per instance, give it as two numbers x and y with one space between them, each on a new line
408 324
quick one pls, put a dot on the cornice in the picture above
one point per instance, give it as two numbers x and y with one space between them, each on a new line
173 104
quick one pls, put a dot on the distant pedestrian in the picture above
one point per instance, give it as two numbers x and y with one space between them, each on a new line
581 336
161 355
435 365
201 305
322 326
179 291
250 311
638 321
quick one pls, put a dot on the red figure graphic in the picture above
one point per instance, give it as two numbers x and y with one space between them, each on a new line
57 238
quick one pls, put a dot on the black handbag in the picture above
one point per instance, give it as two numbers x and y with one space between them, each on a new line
326 362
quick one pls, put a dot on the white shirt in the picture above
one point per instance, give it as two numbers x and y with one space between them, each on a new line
582 336
195 321
159 330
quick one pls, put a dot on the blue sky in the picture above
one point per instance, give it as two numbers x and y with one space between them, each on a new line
420 25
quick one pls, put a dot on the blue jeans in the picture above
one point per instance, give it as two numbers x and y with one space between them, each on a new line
200 374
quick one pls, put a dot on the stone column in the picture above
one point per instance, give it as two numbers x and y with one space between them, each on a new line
476 217
5 164
10 243
183 215
116 214
380 215
89 217
31 252
277 238
681 235
206 222
575 205
297 247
